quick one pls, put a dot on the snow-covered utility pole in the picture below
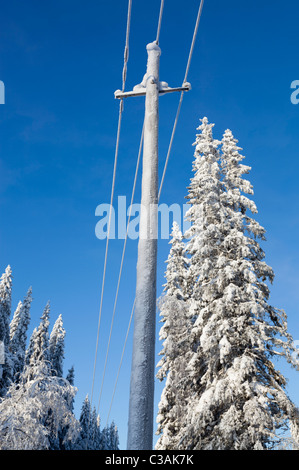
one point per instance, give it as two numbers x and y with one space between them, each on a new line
141 406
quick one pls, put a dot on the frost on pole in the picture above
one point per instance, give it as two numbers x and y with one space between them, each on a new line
140 427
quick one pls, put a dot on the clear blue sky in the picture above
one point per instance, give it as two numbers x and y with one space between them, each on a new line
61 62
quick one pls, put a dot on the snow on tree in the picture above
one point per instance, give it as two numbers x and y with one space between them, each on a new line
71 379
179 311
56 347
37 403
6 370
105 438
38 349
71 375
18 333
5 304
237 398
109 437
95 433
30 348
174 334
91 437
113 437
31 405
84 442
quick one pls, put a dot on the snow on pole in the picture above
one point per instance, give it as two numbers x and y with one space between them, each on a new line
140 425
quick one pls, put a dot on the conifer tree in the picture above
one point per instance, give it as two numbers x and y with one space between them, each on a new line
83 442
237 398
71 375
30 349
105 438
56 347
6 369
38 349
109 437
176 325
18 333
71 380
95 433
113 437
5 304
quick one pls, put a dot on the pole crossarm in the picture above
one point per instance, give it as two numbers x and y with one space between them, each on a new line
141 91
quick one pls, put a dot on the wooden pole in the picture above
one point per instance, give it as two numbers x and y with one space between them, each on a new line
140 425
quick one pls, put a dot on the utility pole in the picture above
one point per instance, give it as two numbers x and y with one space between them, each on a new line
141 406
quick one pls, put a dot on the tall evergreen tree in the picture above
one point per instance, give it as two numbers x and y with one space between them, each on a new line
5 304
83 442
71 380
237 398
95 433
113 437
109 437
6 369
56 347
71 375
38 349
174 334
18 333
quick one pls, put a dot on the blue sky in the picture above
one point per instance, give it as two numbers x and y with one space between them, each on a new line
61 62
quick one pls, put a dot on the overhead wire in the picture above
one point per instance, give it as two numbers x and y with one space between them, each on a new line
122 260
160 21
181 96
121 360
124 75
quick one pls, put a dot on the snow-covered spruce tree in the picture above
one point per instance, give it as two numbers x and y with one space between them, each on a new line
84 441
38 349
95 432
173 307
5 304
18 334
56 347
238 399
113 437
70 377
5 311
91 437
178 387
109 437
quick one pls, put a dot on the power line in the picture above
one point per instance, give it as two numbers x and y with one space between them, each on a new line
160 21
124 75
182 94
122 260
121 359
193 39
